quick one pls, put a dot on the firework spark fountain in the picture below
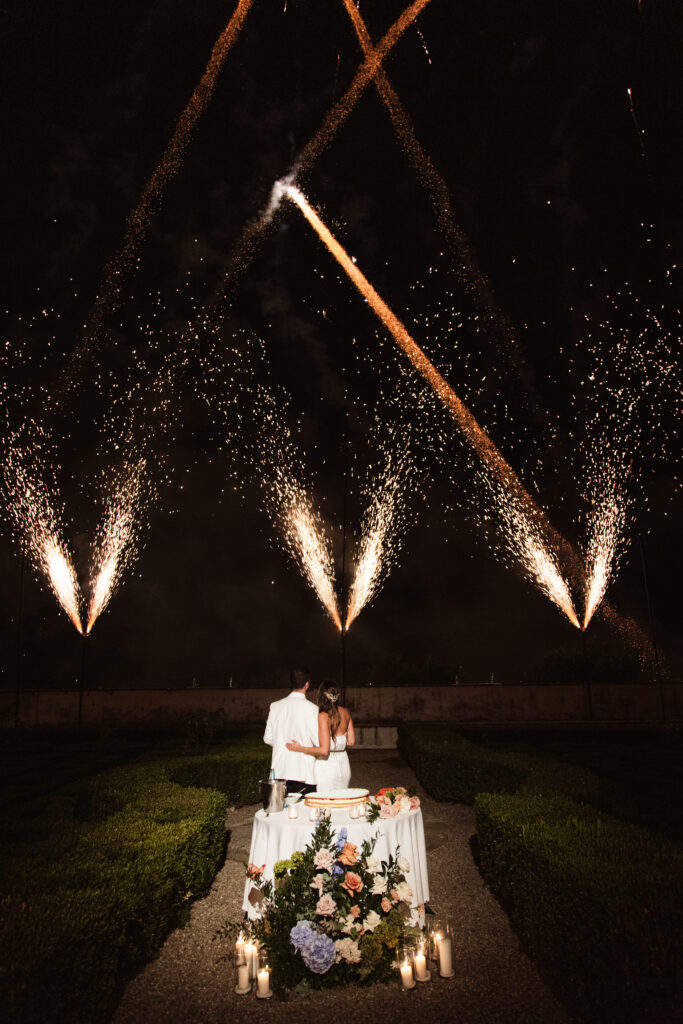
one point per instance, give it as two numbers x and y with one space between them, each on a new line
36 523
116 543
606 527
305 539
541 563
380 534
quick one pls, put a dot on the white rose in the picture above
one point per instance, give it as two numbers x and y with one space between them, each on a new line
371 921
404 804
372 863
347 950
404 864
349 925
404 892
379 885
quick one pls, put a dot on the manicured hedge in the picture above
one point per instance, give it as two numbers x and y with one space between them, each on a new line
95 876
598 902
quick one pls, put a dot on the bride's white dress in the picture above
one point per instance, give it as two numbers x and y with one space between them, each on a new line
335 772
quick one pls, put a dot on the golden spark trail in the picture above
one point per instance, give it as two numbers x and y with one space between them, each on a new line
467 424
639 130
60 572
245 248
170 163
473 277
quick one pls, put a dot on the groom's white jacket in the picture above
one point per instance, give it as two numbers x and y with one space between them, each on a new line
292 718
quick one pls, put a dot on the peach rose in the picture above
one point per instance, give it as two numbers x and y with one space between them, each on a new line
355 910
386 904
254 871
352 883
414 802
349 855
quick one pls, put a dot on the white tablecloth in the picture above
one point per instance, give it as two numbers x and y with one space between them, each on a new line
276 837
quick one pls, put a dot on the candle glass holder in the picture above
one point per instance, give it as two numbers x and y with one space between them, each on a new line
242 970
354 811
421 960
263 989
434 932
406 966
445 950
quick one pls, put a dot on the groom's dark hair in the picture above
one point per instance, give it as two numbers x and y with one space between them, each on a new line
298 677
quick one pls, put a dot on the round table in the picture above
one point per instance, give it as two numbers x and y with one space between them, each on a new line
276 837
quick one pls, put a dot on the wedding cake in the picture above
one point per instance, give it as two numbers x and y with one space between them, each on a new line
334 798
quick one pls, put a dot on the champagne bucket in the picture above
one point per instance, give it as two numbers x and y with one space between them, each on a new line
273 792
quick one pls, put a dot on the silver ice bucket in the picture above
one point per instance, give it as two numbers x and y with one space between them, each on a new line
273 792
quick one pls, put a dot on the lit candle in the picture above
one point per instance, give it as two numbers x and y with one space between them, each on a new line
355 811
362 809
312 813
293 813
445 958
251 954
420 965
239 947
243 985
407 979
263 982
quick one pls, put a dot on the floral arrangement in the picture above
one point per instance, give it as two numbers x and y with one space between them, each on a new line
390 801
334 914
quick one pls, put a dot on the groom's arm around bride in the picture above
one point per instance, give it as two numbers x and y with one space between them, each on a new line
293 717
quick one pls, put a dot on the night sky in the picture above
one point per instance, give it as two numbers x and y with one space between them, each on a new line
565 194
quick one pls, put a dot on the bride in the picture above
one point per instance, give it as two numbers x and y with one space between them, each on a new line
335 734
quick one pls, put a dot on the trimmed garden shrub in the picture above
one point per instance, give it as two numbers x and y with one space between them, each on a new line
94 877
598 902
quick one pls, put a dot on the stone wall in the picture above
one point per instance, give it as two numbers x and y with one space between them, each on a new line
629 703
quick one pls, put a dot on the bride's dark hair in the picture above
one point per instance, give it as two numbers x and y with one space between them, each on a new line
328 701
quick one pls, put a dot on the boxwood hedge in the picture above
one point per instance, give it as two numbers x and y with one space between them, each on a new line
597 901
93 877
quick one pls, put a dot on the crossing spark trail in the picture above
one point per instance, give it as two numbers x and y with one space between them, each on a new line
471 274
540 560
169 165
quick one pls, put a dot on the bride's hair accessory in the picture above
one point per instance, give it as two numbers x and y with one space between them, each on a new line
332 697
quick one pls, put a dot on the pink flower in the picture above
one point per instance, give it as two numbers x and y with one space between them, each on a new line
353 883
324 860
387 811
386 904
325 906
318 883
253 871
355 910
414 802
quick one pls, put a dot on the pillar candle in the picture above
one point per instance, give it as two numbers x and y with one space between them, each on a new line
243 978
263 982
445 958
407 975
293 813
420 965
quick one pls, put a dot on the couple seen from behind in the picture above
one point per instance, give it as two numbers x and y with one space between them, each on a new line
309 742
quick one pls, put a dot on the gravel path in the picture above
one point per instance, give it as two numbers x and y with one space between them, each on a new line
495 982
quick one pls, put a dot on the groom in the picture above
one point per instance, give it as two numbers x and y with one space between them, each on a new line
293 717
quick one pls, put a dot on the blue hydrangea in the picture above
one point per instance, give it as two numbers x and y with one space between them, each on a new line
300 933
341 839
318 951
337 870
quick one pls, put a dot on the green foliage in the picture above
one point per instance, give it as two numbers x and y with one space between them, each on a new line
94 875
597 901
293 899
